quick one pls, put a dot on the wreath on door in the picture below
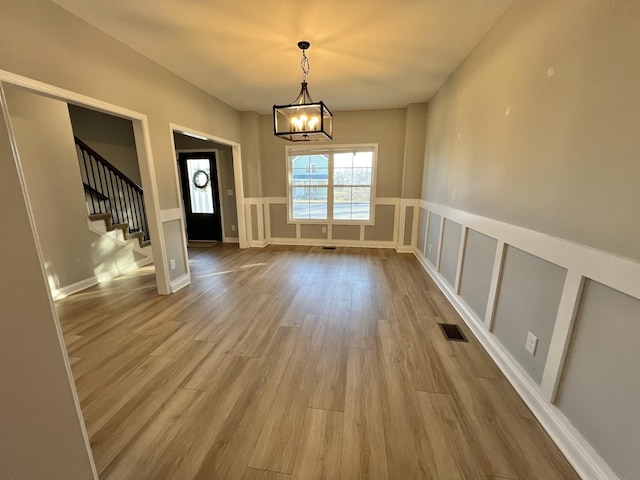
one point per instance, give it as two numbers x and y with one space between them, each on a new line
200 179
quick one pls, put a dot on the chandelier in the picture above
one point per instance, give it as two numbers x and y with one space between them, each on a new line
303 120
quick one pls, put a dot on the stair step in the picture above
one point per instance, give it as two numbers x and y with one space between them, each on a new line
128 234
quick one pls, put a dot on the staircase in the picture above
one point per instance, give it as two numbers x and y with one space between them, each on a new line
112 196
127 234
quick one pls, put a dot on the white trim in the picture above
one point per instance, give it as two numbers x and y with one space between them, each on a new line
260 221
171 214
230 240
216 153
259 243
264 225
180 282
561 336
461 256
619 273
330 150
60 293
237 173
426 230
181 219
401 218
440 242
416 222
143 149
496 278
576 449
321 242
249 226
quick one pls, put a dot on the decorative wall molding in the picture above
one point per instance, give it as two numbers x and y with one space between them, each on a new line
620 273
265 236
581 262
171 214
573 445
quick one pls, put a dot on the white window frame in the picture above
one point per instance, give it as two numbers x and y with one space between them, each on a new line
330 149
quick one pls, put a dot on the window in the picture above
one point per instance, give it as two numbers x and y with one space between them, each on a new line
335 184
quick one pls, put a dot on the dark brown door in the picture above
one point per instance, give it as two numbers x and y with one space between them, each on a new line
199 179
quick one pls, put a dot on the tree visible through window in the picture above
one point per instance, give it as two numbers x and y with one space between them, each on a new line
331 184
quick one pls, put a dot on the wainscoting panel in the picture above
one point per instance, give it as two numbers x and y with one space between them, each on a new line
528 301
450 249
600 390
511 281
395 226
477 269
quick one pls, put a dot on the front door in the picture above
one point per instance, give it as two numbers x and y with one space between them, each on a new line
199 179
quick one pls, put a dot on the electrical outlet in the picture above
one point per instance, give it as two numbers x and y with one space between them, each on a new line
531 344
229 192
233 228
172 264
324 229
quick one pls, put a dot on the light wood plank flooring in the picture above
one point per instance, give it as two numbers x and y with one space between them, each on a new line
293 363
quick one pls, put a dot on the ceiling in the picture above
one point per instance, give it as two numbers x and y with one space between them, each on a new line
364 54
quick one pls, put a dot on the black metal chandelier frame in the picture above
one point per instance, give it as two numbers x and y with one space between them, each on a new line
303 120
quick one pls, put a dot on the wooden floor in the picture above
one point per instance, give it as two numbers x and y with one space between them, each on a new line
294 363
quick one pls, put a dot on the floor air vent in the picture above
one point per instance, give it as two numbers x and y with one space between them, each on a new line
329 248
452 332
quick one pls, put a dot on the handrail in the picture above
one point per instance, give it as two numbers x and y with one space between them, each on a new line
111 191
108 164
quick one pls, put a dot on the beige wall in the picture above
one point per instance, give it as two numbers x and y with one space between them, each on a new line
110 136
414 151
250 136
42 433
555 150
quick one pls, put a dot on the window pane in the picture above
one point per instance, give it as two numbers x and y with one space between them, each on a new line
321 177
363 159
343 160
342 176
300 210
360 211
351 179
198 172
361 176
309 203
342 203
361 194
300 176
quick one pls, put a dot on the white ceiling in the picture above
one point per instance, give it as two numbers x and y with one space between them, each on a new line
364 54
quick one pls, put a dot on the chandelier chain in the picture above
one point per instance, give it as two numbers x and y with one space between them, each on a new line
304 65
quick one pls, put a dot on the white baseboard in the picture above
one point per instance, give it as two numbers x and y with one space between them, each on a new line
323 242
405 249
60 293
584 459
230 240
180 282
258 243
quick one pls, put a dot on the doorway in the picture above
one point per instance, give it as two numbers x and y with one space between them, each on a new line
201 196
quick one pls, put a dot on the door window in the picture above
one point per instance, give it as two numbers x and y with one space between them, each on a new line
199 175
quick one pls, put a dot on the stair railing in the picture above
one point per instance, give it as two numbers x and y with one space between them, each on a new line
108 190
